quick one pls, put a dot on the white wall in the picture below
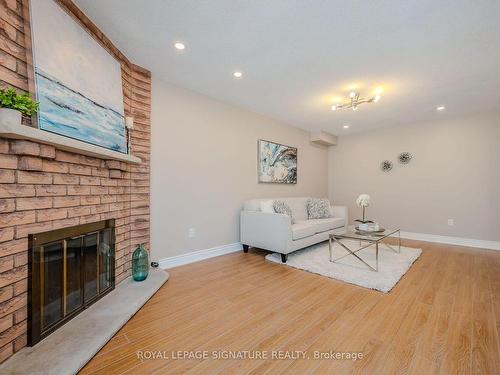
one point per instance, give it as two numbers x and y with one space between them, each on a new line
204 165
455 173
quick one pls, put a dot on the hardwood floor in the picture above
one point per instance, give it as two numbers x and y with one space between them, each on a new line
443 317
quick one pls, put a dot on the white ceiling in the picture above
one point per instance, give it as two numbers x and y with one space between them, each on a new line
296 55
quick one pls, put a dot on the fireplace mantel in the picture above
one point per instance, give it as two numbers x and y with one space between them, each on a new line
63 143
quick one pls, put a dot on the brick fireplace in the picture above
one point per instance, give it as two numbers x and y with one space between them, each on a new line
43 188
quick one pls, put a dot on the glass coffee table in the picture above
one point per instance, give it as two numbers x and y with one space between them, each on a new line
369 239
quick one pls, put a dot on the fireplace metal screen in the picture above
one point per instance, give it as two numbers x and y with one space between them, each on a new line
69 269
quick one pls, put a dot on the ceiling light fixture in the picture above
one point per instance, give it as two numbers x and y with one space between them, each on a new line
440 108
179 45
237 74
355 100
346 126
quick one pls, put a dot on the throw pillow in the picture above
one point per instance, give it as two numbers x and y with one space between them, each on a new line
281 207
318 208
267 206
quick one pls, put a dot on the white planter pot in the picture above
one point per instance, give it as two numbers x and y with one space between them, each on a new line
10 117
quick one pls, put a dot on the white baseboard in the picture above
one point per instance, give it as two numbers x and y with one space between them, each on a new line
469 242
196 256
460 241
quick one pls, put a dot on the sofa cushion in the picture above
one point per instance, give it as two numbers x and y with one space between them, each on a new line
298 207
281 207
318 208
301 230
322 225
267 206
253 204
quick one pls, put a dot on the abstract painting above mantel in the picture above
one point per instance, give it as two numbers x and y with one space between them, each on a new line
77 82
277 163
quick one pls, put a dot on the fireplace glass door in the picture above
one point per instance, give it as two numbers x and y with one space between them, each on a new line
68 274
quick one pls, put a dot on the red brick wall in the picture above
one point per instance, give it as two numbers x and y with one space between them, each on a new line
42 188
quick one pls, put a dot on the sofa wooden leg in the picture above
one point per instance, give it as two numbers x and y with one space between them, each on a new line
284 258
245 248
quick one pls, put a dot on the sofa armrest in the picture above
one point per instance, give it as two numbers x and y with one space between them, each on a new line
341 211
266 230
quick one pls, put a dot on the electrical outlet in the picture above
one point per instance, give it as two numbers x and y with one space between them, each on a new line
451 222
191 233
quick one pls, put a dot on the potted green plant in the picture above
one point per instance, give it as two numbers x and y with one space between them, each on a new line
13 106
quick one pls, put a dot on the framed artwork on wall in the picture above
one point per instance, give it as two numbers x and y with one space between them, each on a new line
277 163
77 82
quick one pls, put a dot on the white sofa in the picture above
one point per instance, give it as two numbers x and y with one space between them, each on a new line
275 232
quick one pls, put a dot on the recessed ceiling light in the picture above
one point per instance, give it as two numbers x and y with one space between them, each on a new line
334 107
346 126
237 74
440 108
179 45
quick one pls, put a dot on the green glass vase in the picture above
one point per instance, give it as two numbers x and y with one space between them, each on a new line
140 263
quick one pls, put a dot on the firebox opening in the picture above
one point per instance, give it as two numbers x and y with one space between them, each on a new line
69 269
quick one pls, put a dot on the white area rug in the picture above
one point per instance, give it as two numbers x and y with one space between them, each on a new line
392 266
